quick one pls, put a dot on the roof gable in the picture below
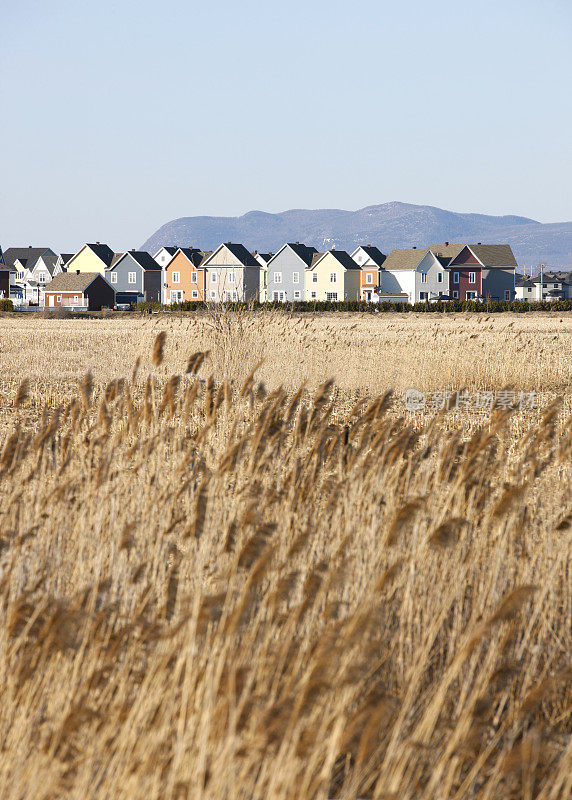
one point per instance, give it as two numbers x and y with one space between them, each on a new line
141 258
409 258
371 252
73 281
239 252
465 257
30 254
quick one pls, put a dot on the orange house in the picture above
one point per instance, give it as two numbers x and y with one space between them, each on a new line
370 259
184 278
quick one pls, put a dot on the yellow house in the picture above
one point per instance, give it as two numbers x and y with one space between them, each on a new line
93 258
333 277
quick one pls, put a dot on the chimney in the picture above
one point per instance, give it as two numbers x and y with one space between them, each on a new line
479 242
98 242
30 246
77 272
415 247
446 244
297 242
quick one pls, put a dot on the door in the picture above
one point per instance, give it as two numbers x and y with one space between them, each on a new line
51 300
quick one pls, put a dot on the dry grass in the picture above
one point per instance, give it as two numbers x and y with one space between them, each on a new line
228 590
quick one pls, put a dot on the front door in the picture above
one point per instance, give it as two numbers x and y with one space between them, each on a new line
51 300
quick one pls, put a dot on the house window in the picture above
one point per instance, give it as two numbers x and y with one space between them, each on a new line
213 277
439 277
231 277
423 277
440 294
471 295
42 277
455 277
455 294
277 277
295 277
296 295
369 277
176 277
234 295
227 295
423 295
528 290
332 297
193 277
76 298
194 294
313 295
58 298
176 296
131 277
333 278
471 277
507 294
113 276
213 294
314 277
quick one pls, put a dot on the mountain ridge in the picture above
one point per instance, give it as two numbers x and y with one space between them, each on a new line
387 225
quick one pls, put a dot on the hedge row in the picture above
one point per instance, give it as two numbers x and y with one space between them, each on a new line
518 306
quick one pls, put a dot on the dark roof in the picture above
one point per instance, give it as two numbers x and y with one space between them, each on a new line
65 257
264 256
405 258
303 251
26 255
206 255
374 253
72 281
104 253
345 259
171 249
240 252
144 260
195 256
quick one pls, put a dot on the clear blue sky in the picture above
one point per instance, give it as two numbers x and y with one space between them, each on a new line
119 116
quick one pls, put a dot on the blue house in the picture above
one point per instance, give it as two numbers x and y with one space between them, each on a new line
136 277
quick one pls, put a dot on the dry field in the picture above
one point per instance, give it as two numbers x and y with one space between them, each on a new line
213 585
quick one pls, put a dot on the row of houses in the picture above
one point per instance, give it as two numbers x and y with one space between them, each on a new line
96 276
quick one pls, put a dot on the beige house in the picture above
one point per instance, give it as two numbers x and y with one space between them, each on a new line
93 258
333 277
232 274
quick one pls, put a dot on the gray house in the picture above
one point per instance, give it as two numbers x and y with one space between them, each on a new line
136 277
287 273
497 263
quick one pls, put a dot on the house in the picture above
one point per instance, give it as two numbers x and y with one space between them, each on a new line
496 262
184 276
33 268
93 258
65 258
333 276
263 259
136 277
544 286
370 259
232 274
287 272
165 254
6 278
416 272
79 290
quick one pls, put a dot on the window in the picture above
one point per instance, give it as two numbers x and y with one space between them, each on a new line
423 277
42 277
439 277
313 295
277 277
440 294
333 277
176 296
423 295
296 295
76 298
455 294
332 297
314 277
227 295
176 277
193 277
213 278
131 277
231 277
213 294
234 295
471 277
529 289
195 294
507 294
471 295
369 277
455 277
295 277
58 298
113 276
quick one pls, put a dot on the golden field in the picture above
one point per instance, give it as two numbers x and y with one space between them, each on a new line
216 582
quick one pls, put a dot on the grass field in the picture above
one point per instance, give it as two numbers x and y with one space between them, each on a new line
215 583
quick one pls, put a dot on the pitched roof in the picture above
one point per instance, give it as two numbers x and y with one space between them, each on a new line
72 281
264 256
194 255
144 260
315 258
494 255
374 253
171 249
447 249
65 257
240 252
26 255
303 251
404 258
345 259
104 253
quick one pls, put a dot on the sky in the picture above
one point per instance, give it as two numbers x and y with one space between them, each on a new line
120 115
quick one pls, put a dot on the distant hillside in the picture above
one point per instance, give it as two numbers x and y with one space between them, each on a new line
388 225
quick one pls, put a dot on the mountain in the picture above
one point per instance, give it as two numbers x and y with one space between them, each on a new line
387 225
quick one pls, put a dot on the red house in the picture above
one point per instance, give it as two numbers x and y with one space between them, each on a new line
465 277
80 290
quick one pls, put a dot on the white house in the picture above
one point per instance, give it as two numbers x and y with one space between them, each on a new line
416 272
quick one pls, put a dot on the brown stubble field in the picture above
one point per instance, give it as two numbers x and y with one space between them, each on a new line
215 585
